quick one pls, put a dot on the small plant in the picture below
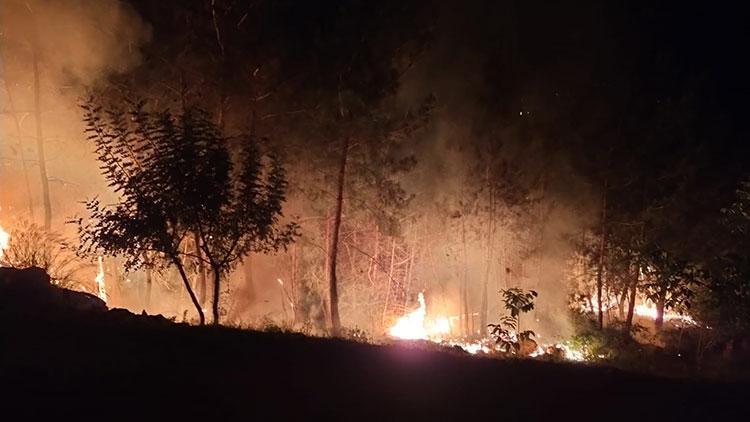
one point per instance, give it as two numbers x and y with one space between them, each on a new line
507 333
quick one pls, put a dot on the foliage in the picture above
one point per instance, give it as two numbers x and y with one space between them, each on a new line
506 333
669 280
724 300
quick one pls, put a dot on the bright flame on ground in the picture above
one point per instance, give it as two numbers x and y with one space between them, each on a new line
417 326
645 309
414 326
648 310
4 241
101 288
562 349
411 326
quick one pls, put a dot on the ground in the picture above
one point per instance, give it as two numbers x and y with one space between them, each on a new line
110 366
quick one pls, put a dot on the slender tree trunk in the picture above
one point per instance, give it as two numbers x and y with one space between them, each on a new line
636 277
40 139
223 66
201 270
621 302
631 301
186 282
488 264
217 292
21 153
660 305
464 280
389 290
295 283
602 248
333 283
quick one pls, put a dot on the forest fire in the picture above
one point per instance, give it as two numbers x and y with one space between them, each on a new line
458 179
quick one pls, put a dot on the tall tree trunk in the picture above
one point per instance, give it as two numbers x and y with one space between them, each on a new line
21 153
295 283
488 264
217 293
186 282
631 301
464 280
333 283
40 139
222 70
201 270
660 305
602 248
621 302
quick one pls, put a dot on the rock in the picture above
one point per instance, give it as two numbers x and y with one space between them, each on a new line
124 316
29 292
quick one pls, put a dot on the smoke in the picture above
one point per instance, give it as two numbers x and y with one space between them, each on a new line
77 45
492 99
79 41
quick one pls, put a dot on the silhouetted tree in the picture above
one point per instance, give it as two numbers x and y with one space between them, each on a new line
174 177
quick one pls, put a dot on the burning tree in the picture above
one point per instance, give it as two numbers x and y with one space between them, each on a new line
177 183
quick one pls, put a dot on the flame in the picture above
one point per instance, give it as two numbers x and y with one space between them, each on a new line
414 326
648 310
102 288
4 241
564 350
411 326
645 309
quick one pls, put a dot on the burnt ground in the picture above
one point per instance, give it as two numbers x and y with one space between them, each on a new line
100 366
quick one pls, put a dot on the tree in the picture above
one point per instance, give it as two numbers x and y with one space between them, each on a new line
239 214
174 177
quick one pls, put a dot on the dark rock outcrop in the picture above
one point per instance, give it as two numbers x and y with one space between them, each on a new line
30 292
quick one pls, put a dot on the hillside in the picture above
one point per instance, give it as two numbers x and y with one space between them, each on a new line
103 364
